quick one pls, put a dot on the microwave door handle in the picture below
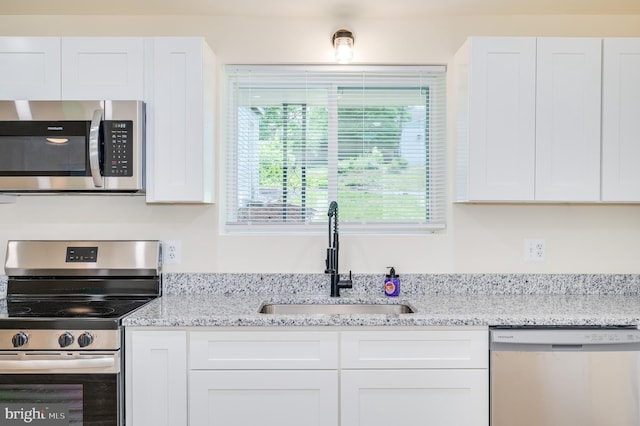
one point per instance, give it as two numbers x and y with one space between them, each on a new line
94 154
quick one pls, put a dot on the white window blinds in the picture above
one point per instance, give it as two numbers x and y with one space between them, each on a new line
372 139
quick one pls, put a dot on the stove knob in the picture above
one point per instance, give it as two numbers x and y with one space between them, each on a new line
85 339
19 339
65 339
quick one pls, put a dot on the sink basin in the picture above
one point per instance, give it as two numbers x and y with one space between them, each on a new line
334 309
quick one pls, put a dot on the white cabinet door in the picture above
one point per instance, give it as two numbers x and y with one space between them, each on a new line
621 120
156 378
102 68
498 122
415 397
30 68
180 118
568 119
266 398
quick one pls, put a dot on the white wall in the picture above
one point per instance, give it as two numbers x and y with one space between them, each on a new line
479 238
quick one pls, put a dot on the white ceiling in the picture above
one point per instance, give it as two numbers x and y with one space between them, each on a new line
320 8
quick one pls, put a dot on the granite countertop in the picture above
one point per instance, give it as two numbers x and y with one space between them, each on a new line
197 300
434 310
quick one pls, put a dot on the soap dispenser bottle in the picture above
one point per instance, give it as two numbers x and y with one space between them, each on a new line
392 283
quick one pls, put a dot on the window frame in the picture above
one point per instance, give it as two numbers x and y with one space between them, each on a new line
230 153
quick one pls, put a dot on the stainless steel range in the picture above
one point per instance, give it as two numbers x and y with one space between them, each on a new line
61 340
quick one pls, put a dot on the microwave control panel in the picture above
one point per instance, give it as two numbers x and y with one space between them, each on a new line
118 148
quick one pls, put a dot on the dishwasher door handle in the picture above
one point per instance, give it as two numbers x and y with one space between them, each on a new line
559 347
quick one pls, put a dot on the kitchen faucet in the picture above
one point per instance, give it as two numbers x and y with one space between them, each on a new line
333 254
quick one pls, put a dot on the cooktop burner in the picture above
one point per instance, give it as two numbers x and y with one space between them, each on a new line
88 311
18 310
113 308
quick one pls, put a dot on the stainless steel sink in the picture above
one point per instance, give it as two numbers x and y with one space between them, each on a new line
334 309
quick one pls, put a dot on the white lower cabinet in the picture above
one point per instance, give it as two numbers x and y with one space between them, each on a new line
275 397
156 377
272 378
414 377
345 376
414 397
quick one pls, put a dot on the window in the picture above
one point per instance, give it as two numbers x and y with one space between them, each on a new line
371 139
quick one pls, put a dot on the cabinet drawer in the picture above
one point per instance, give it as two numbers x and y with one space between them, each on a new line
263 350
415 349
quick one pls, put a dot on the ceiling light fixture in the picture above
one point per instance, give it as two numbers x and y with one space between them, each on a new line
343 46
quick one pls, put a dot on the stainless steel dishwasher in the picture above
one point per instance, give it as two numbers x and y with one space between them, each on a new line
565 377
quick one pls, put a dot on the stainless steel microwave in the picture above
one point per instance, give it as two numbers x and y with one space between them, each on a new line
72 146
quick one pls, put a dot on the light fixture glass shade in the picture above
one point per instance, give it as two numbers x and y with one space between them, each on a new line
343 46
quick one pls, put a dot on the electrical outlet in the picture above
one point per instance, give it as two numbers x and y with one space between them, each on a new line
534 249
172 252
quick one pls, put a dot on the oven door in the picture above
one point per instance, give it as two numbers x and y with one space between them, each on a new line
47 388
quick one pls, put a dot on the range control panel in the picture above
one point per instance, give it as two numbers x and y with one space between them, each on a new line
82 254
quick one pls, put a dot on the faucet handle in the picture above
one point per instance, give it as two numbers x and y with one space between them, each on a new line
346 283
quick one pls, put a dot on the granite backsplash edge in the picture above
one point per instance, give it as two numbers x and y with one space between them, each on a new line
410 284
179 283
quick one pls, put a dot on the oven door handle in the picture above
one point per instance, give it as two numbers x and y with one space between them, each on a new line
94 153
58 364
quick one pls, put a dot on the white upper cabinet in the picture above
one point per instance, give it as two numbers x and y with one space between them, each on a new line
568 119
180 113
529 115
103 68
29 68
496 100
71 68
621 120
